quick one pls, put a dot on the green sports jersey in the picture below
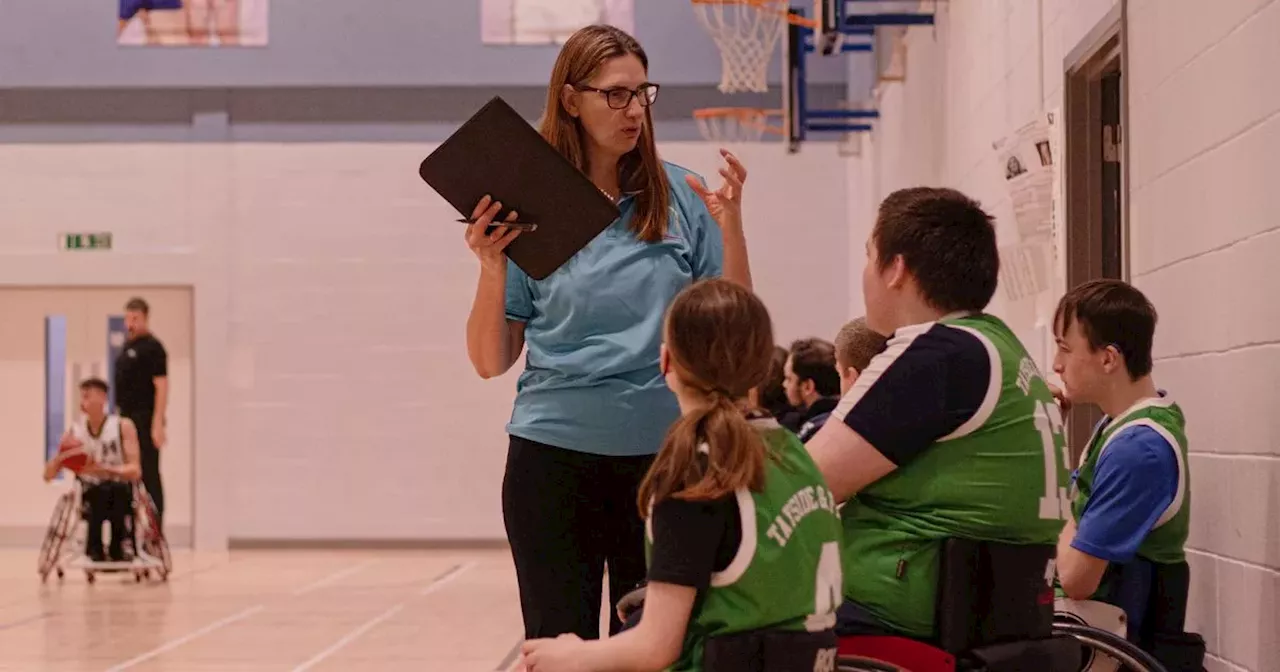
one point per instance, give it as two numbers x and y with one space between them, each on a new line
1000 476
1167 539
786 574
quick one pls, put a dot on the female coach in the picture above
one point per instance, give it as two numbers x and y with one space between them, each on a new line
591 407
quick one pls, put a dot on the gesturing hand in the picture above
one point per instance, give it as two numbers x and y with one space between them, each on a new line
725 203
488 248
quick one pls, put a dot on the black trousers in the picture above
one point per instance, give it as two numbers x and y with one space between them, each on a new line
109 501
149 455
567 515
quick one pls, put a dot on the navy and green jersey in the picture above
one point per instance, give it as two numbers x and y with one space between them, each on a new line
783 572
965 415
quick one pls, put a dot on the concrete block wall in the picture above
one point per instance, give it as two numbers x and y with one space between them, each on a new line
1204 122
331 289
1204 147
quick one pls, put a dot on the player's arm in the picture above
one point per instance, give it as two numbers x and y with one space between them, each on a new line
1135 480
131 470
66 448
927 384
686 539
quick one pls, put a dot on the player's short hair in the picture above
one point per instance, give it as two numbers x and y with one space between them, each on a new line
857 344
815 359
1111 312
946 240
138 304
94 384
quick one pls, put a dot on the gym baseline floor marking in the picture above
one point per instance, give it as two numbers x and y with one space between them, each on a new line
350 637
29 619
509 661
187 638
332 578
453 573
448 575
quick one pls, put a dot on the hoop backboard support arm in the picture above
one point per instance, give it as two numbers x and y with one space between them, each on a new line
799 120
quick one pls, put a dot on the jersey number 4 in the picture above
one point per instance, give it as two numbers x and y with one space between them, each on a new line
828 590
1055 504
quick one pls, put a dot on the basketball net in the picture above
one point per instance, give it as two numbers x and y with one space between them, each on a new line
746 32
736 124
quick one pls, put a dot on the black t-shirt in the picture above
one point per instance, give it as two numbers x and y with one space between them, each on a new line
693 540
142 360
930 380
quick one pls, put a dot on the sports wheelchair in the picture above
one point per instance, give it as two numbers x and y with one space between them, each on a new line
1158 591
995 613
64 542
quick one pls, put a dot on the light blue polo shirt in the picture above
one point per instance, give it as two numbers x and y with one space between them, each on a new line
593 331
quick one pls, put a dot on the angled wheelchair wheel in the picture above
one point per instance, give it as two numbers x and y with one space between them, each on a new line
60 525
860 664
149 538
1128 655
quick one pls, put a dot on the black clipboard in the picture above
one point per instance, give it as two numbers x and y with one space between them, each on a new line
497 152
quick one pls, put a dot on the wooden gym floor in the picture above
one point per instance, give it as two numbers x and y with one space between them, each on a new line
278 611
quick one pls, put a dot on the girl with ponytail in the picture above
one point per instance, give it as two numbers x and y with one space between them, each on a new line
742 533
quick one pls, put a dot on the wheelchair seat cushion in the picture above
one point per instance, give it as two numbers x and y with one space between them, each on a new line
906 653
771 651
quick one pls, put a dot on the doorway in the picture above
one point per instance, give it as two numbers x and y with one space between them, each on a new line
1096 176
50 340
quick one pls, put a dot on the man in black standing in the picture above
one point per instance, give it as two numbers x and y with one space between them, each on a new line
142 393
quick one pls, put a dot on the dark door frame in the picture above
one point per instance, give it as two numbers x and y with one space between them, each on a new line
1096 171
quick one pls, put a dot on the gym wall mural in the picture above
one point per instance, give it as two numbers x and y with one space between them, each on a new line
192 23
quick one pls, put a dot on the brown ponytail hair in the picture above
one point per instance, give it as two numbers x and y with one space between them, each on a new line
719 341
639 170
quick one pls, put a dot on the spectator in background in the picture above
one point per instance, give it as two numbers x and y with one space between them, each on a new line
812 384
142 393
856 345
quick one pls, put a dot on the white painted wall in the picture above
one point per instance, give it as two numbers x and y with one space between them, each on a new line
1205 131
333 395
168 209
1204 149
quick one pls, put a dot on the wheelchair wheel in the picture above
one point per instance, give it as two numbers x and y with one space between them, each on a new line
860 664
1122 650
59 530
147 532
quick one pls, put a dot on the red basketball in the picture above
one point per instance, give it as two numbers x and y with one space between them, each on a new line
76 462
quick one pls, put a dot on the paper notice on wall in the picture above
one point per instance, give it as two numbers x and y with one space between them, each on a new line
1027 162
549 21
1024 269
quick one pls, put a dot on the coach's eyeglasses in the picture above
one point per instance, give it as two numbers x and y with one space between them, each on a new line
619 98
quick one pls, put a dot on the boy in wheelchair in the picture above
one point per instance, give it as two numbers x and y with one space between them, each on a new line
735 510
950 433
1121 561
102 451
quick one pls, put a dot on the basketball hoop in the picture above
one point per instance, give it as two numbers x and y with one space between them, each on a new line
746 32
736 124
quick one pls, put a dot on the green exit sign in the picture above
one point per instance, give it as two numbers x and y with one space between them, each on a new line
85 241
